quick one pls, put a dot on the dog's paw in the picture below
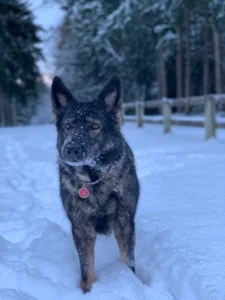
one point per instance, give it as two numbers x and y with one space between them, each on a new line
86 287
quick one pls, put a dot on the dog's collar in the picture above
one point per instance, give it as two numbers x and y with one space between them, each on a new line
92 182
84 192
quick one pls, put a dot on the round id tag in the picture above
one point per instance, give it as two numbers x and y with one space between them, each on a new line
83 193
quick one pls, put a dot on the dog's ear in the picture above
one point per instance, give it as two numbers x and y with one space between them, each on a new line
112 96
61 96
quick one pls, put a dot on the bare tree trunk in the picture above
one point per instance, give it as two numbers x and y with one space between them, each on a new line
158 77
179 73
7 111
206 49
188 57
164 81
179 64
210 122
217 54
2 109
13 110
222 53
163 74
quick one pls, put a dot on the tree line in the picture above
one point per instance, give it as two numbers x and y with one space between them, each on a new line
160 48
166 48
19 54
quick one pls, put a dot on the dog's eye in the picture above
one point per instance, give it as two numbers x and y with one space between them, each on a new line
94 126
68 126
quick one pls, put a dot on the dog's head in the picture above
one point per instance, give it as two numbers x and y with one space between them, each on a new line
87 130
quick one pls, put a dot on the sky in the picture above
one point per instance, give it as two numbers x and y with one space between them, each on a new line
48 15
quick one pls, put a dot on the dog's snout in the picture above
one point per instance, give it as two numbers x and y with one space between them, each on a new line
70 150
73 152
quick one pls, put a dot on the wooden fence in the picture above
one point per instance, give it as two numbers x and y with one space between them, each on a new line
210 103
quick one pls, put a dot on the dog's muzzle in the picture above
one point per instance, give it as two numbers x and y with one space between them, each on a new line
73 152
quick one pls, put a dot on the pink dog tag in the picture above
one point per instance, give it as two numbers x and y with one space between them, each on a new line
83 193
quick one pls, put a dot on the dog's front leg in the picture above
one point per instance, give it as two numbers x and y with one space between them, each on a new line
125 236
85 244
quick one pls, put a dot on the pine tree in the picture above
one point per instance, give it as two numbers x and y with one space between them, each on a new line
19 54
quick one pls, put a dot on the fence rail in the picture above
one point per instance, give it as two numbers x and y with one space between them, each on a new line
210 103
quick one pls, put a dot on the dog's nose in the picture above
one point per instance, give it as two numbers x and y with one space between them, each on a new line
73 152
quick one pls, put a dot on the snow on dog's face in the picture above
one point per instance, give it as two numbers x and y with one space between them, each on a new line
86 130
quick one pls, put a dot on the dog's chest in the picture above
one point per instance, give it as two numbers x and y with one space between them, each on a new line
101 197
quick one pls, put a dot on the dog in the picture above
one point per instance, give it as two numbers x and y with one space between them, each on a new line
99 187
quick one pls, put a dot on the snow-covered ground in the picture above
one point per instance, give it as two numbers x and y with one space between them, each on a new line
180 248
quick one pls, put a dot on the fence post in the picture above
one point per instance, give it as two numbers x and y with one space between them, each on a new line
139 114
210 119
166 117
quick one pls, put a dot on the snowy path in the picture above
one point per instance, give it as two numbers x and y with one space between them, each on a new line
180 252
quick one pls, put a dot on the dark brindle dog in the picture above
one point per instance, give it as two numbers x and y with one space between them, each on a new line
98 182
